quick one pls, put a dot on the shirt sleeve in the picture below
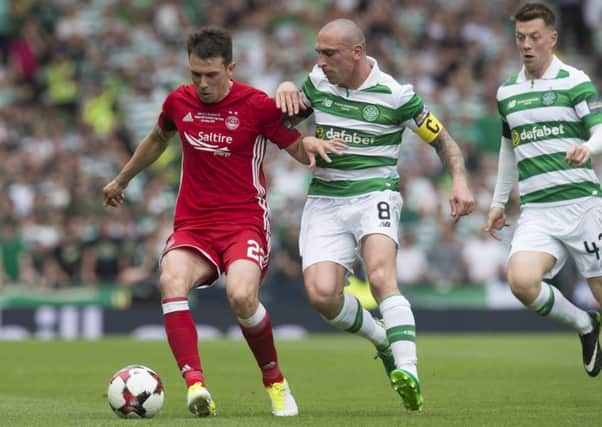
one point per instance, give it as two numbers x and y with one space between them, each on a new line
411 109
307 89
507 174
165 122
418 118
587 102
270 122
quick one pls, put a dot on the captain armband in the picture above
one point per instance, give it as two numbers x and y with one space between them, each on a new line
428 127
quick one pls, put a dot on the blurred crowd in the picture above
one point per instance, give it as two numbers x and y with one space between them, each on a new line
81 82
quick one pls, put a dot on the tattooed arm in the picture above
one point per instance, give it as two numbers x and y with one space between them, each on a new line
149 150
460 198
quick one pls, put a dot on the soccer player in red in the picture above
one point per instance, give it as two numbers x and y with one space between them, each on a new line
221 217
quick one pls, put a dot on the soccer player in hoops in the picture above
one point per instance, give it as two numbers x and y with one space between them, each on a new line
354 202
221 215
552 124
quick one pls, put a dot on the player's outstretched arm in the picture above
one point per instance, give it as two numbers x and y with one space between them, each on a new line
305 149
149 150
322 147
460 198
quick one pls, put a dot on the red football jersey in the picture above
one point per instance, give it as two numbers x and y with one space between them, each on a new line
223 146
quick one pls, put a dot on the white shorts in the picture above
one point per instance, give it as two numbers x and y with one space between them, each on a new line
568 230
331 229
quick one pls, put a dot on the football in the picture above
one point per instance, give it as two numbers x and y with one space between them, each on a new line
135 392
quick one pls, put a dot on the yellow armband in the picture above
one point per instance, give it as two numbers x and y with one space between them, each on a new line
428 127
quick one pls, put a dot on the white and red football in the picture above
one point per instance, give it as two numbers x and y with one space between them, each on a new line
135 392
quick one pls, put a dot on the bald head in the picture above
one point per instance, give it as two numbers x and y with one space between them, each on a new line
341 49
346 31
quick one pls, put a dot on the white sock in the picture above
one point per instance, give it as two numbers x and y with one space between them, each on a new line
551 303
355 319
401 331
255 319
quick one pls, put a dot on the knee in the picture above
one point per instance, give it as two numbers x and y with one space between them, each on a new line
377 276
321 298
243 299
524 284
382 282
172 284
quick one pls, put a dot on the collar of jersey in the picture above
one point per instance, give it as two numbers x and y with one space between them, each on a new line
373 78
550 74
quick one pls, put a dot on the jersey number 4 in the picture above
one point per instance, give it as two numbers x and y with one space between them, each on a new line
594 249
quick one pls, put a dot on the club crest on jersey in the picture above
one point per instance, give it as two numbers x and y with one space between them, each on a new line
232 122
548 98
370 113
320 132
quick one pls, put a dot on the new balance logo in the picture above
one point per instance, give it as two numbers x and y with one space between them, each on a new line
188 117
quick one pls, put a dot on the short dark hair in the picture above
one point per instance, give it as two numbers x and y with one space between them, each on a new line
211 42
531 11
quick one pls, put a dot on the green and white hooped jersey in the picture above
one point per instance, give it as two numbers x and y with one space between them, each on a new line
371 121
544 118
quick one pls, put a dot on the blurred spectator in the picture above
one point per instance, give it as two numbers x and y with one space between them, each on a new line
141 274
484 259
27 51
288 260
64 265
592 13
412 264
15 261
104 257
573 31
446 269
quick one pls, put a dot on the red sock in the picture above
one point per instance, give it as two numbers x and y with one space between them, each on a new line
261 342
182 338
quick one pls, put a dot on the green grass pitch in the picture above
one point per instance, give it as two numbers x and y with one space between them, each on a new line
467 380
